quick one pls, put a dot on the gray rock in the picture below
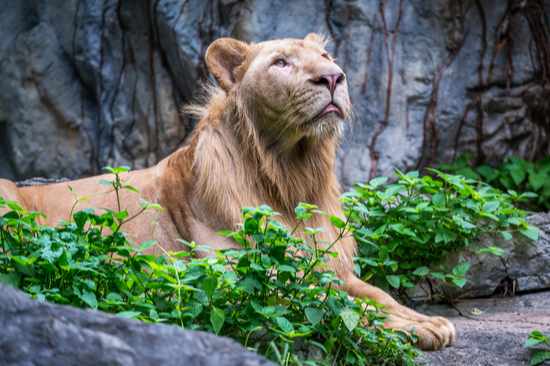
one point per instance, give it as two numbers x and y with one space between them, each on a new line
496 337
526 262
37 333
85 83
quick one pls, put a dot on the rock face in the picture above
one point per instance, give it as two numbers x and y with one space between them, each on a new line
523 267
39 333
86 83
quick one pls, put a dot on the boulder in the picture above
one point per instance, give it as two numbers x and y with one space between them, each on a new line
39 333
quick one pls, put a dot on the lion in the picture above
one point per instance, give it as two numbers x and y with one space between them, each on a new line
267 135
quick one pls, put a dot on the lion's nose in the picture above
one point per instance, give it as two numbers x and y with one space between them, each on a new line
330 81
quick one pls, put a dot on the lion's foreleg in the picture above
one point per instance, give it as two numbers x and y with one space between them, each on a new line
435 332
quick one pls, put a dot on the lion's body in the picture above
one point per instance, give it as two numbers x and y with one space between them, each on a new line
249 148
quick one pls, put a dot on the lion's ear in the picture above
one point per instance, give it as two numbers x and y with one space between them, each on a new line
318 38
223 57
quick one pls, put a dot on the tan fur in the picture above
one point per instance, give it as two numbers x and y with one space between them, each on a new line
258 142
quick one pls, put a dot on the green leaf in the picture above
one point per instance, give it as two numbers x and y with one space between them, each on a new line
285 268
438 275
531 341
439 200
314 315
540 357
89 298
130 188
461 269
530 232
378 181
489 207
394 280
536 181
422 271
518 175
459 282
350 318
543 165
122 215
217 318
336 221
285 325
506 235
147 244
210 285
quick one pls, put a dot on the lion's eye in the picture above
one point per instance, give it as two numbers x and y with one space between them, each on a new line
280 63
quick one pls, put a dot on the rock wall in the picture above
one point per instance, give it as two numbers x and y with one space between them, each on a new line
89 83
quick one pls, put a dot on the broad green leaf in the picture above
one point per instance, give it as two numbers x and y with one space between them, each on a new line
217 318
336 221
147 244
378 181
540 357
122 214
394 280
518 175
461 269
536 181
489 207
531 341
89 298
314 315
350 318
422 271
459 282
506 235
210 285
285 325
530 232
285 268
439 200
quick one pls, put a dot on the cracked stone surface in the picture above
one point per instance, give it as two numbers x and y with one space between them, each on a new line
525 261
87 83
495 338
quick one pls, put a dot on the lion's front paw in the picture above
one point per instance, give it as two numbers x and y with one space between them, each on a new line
435 333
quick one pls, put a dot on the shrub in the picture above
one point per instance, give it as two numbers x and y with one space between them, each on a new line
515 175
535 338
405 229
278 299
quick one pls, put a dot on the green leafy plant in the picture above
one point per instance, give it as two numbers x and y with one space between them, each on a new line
535 338
405 229
515 175
275 295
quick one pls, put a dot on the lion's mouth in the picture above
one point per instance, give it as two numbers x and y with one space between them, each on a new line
330 108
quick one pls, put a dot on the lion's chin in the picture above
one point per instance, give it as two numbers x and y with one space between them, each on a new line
329 125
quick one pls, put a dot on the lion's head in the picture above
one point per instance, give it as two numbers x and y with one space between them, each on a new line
267 134
293 87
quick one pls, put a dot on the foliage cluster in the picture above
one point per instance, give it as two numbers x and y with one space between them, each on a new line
535 338
405 229
515 175
275 295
